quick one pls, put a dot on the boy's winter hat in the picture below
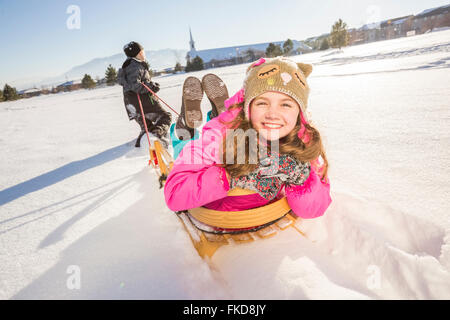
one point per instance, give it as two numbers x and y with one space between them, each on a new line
280 75
132 49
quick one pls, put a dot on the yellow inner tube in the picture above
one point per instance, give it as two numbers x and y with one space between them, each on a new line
241 219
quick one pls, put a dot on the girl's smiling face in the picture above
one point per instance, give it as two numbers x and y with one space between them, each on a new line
274 115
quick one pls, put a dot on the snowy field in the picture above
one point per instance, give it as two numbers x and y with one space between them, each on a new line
78 199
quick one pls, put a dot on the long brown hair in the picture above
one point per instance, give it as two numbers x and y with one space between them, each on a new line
290 144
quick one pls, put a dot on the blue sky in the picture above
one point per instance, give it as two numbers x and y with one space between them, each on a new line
36 42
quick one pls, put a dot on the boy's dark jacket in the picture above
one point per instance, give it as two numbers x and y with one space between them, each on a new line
130 76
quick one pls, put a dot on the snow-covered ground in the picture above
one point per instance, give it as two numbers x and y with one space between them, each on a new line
78 199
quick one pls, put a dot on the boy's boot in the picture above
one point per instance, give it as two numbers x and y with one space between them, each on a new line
138 140
140 122
161 133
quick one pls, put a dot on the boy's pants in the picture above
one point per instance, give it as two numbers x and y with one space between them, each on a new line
157 122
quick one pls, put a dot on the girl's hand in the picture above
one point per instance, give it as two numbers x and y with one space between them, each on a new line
296 172
266 187
284 167
272 172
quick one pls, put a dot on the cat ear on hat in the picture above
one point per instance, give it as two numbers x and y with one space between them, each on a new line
306 68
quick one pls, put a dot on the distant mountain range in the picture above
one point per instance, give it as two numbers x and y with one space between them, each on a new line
159 60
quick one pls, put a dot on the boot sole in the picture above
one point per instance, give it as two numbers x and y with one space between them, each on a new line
216 91
192 98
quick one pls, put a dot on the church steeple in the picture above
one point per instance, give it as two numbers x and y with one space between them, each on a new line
191 41
192 52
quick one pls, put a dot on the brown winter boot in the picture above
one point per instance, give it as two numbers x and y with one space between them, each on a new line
217 93
192 98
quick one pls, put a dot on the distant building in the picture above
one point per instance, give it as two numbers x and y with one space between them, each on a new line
168 71
220 57
28 93
395 28
69 86
100 82
430 19
409 25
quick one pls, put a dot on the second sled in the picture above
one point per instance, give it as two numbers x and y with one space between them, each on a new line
161 160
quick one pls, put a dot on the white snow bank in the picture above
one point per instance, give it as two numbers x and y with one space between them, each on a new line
75 192
359 250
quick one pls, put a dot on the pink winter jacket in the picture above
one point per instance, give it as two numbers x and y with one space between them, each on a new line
196 180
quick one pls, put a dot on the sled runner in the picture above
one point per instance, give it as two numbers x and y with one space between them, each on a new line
211 229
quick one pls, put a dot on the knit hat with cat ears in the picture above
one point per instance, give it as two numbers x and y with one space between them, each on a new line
280 75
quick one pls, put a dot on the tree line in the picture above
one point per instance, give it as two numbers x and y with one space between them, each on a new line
337 38
110 79
10 93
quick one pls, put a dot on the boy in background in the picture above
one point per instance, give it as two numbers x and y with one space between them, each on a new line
135 71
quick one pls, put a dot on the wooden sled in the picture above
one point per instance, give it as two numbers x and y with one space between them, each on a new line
211 229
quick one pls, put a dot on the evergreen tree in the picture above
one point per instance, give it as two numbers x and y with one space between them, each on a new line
338 35
178 67
273 50
9 93
1 95
288 46
270 49
111 76
324 45
87 82
251 54
195 65
188 66
198 63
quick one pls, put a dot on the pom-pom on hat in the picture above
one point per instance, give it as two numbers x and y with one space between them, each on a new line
279 75
132 49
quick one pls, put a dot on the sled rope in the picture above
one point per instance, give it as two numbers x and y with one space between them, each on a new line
146 129
151 91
